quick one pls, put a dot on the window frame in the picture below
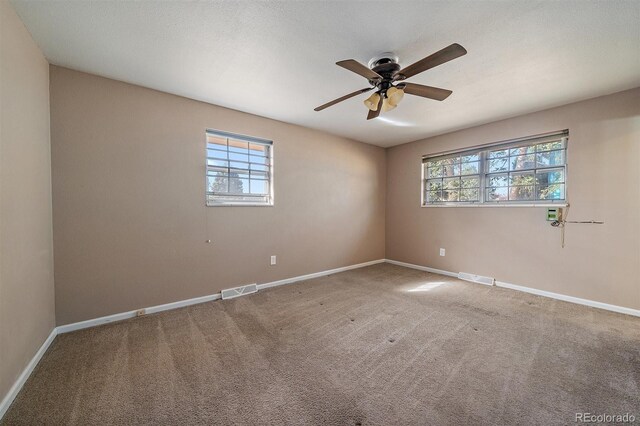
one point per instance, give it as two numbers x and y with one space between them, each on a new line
233 200
483 151
454 154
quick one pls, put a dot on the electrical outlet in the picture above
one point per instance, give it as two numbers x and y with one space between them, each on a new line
140 312
442 252
273 260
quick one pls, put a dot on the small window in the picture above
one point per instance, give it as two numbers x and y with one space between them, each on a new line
527 171
239 170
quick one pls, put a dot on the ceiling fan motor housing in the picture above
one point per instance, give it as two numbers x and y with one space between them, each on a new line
386 65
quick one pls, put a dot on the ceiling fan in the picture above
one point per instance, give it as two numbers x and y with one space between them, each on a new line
384 75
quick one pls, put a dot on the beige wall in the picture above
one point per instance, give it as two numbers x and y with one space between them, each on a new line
128 187
130 222
26 260
517 245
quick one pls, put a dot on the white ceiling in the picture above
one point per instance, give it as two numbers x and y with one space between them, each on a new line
276 59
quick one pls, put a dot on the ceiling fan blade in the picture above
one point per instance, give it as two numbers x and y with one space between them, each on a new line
355 66
345 97
374 114
426 91
438 58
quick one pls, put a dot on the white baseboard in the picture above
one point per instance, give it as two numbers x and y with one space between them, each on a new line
15 389
130 314
563 297
182 303
318 274
422 268
571 299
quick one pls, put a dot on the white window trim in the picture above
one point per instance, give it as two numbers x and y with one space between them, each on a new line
231 202
492 204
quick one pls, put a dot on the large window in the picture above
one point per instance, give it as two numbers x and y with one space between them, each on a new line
525 171
239 170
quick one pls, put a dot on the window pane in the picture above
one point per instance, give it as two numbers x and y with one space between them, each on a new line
434 196
470 158
218 163
238 156
258 160
238 146
451 183
497 194
259 167
548 146
238 185
259 186
434 172
434 185
217 184
551 192
451 169
550 158
521 162
522 150
498 180
470 194
451 195
214 153
214 167
238 165
450 161
472 168
217 142
217 171
258 149
239 173
470 182
516 179
521 193
259 175
499 153
547 177
498 165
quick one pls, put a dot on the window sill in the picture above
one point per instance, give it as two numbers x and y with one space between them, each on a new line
565 204
239 205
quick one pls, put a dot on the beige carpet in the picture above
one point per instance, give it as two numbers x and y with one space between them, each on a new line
382 345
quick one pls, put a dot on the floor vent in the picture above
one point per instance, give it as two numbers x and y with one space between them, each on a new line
230 293
476 278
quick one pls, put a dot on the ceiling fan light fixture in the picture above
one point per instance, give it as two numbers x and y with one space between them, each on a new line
394 95
372 102
387 105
